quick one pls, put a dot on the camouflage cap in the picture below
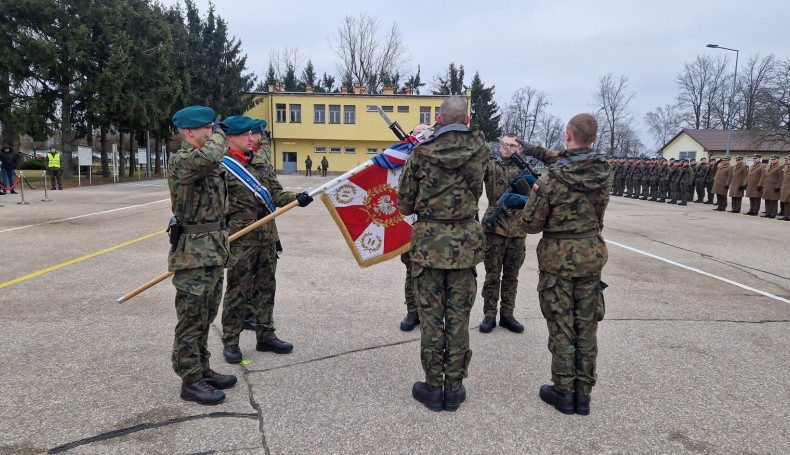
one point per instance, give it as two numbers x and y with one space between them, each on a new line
238 124
193 117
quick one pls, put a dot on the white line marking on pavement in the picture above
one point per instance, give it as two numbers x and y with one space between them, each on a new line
83 216
701 272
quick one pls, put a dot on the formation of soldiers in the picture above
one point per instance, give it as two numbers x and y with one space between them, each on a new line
682 181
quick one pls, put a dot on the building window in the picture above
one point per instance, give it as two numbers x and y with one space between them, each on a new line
351 150
319 113
386 108
404 109
373 151
349 114
334 113
281 113
296 113
334 149
320 150
688 155
425 114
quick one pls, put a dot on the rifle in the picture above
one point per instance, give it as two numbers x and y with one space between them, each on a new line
489 222
401 134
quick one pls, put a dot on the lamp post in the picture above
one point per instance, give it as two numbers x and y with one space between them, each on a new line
732 95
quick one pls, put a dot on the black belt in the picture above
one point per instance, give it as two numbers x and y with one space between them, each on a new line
570 235
205 227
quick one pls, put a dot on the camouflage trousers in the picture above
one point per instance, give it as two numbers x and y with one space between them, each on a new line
408 288
251 288
445 299
503 259
198 293
699 187
572 306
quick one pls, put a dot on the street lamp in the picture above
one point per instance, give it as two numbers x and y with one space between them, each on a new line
732 96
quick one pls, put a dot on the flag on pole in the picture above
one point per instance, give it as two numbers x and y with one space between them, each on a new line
365 207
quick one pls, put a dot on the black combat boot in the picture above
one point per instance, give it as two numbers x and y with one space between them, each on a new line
275 345
218 381
672 202
488 324
510 323
562 401
682 203
411 320
232 353
201 392
428 395
453 399
582 401
652 199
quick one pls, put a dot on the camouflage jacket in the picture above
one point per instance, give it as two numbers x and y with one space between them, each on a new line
497 178
199 195
442 182
571 200
244 209
702 171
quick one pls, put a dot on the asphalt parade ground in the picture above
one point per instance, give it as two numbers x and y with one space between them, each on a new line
693 352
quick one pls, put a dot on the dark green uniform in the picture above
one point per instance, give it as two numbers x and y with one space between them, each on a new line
569 209
198 194
505 247
441 183
253 258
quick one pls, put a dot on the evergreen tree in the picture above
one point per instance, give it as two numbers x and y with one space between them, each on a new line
328 83
308 78
485 112
414 82
452 83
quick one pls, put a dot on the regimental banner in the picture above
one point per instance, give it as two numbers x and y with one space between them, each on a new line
365 208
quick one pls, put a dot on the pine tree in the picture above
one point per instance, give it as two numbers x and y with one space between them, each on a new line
485 112
452 83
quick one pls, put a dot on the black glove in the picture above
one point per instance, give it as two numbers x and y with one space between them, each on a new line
527 149
759 188
303 199
742 187
219 124
726 187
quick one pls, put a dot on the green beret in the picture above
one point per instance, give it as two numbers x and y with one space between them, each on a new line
238 124
258 125
193 117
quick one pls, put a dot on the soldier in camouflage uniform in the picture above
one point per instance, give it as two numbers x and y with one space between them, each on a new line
505 246
661 181
412 318
710 177
699 179
198 195
569 209
619 177
253 257
685 180
674 183
441 183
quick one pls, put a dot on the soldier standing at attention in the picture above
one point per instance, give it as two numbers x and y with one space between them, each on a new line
771 184
738 183
569 209
325 165
710 177
308 167
441 183
412 318
674 182
198 195
505 245
663 182
699 180
685 177
721 183
753 189
784 198
253 257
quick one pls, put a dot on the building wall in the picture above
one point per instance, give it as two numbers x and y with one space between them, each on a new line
684 144
354 140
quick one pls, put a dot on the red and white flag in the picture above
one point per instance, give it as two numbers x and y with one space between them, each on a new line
365 208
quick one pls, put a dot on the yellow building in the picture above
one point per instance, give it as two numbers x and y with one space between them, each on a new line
344 127
710 144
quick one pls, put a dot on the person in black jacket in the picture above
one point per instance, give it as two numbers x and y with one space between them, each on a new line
9 160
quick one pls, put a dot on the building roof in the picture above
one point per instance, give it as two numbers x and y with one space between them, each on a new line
741 141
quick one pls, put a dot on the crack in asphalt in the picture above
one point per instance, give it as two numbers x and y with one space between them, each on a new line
146 426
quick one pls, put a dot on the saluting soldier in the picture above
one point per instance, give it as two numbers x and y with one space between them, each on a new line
721 183
784 197
253 192
772 186
441 183
199 196
738 183
753 189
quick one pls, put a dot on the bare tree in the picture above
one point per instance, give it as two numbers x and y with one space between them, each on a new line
523 112
663 123
365 54
701 90
289 60
611 101
550 131
754 91
775 118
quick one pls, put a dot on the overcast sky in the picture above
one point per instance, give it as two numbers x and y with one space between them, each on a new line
561 47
